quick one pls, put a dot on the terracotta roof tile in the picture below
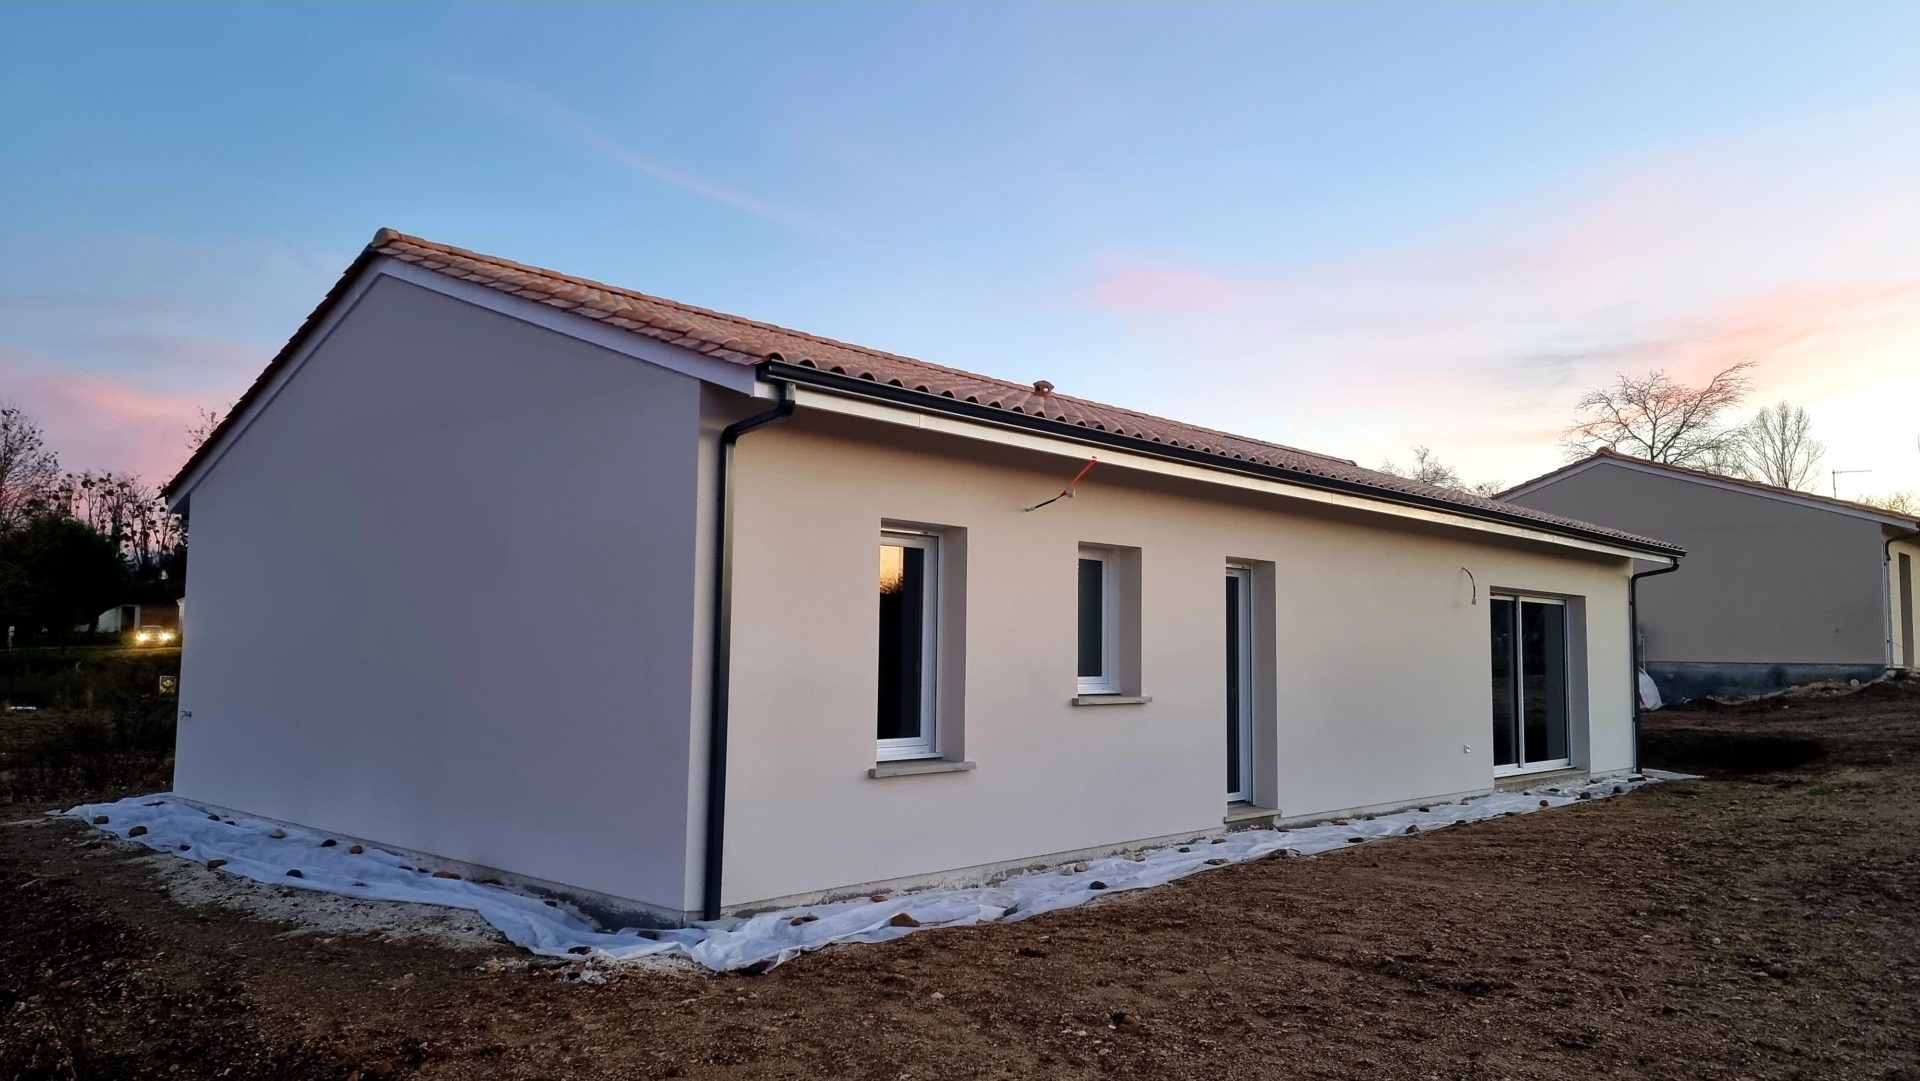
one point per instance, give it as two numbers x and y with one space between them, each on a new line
749 342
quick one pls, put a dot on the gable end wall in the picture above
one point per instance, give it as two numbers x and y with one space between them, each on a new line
442 598
1764 582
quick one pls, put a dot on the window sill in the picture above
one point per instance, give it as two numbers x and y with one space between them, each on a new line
914 767
1110 700
1241 813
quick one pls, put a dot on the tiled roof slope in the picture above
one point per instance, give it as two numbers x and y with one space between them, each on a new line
748 342
1607 453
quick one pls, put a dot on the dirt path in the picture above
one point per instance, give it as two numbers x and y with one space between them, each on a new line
1760 925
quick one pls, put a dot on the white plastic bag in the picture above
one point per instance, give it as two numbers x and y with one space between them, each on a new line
1649 692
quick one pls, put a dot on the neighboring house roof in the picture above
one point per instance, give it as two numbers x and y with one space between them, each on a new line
1681 472
750 343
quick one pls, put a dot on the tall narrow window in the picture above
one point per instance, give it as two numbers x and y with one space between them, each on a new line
1906 610
909 602
1239 683
1099 638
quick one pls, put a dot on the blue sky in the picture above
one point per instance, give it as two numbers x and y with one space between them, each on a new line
1353 227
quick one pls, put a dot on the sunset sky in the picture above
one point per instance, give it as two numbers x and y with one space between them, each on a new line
1350 227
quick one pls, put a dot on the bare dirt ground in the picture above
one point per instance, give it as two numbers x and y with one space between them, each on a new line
1763 923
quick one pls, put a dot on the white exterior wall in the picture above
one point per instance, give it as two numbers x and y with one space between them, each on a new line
1376 675
402 576
1899 606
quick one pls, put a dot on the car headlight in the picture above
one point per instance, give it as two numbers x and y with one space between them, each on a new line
166 636
140 637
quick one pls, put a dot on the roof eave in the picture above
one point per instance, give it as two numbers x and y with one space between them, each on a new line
176 491
808 376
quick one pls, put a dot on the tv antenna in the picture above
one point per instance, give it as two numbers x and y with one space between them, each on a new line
1833 478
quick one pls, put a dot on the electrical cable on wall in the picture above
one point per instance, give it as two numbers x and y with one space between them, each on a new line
1067 492
1473 585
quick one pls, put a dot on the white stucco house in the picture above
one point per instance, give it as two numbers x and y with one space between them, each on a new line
1782 586
856 656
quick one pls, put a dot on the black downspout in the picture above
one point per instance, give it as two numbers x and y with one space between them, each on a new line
719 673
1633 629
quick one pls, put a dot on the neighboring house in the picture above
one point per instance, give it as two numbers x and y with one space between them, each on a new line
146 604
1780 587
853 656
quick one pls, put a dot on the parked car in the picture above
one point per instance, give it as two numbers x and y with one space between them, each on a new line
154 636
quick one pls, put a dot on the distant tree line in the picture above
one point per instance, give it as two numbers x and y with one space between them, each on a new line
72 543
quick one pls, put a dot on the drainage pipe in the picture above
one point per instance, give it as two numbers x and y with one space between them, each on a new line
1633 629
719 674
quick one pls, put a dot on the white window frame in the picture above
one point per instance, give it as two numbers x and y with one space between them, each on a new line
1108 682
1522 765
927 743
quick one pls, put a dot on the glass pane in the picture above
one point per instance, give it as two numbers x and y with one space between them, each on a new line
903 601
1506 748
1234 705
1906 609
1093 618
1543 674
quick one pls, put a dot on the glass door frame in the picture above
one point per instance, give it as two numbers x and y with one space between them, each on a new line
1517 670
1240 700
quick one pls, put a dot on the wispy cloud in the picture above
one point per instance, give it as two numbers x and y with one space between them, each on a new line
556 119
101 422
117 370
1790 247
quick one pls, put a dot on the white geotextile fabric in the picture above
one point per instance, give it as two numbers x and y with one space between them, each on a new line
250 850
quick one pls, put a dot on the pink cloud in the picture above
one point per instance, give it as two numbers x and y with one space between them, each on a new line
101 422
1808 340
1788 247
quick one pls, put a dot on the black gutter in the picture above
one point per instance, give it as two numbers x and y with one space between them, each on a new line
1633 629
720 675
936 403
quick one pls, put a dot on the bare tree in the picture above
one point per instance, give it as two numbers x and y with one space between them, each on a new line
1426 468
129 513
1777 447
1651 416
1897 502
29 472
201 430
1488 488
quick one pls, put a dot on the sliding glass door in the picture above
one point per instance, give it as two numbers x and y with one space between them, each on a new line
1530 702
